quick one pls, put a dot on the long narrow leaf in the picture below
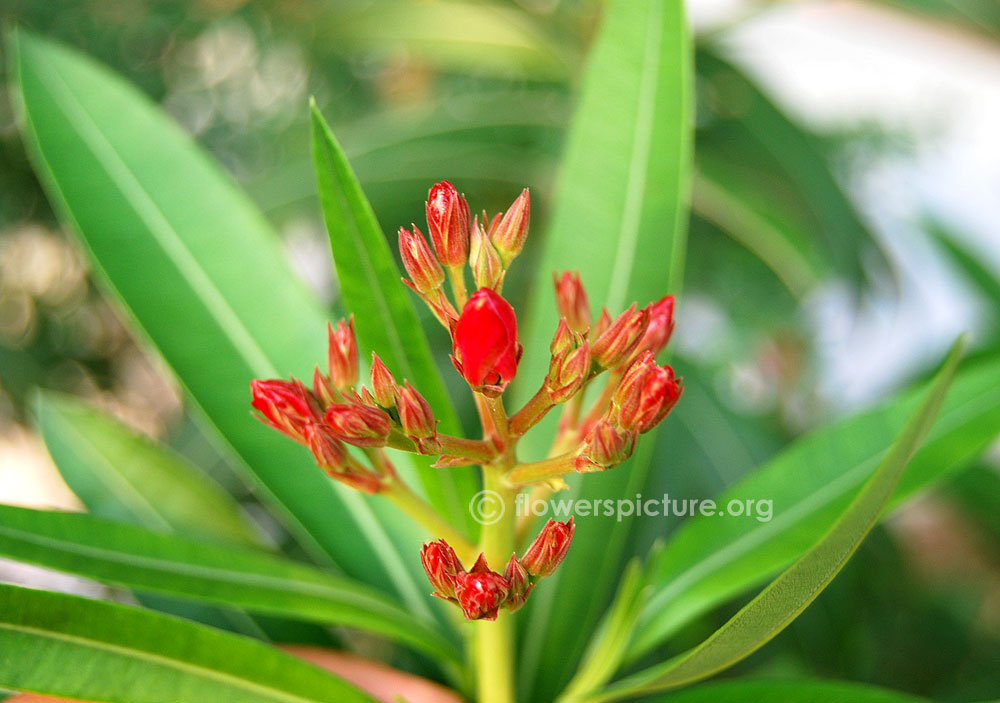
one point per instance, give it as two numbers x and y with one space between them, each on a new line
789 594
620 217
787 691
148 561
72 647
712 559
385 319
201 274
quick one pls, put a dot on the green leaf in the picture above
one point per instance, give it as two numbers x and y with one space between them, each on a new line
202 276
385 319
789 594
712 559
123 476
171 565
619 217
785 691
72 647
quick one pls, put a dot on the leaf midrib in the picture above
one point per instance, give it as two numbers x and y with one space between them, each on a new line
166 662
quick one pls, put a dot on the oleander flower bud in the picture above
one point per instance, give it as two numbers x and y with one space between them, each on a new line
448 222
342 355
661 326
287 406
645 394
417 418
481 592
605 447
571 301
509 234
549 548
616 344
358 424
519 582
487 267
383 384
569 364
418 260
485 341
332 456
442 567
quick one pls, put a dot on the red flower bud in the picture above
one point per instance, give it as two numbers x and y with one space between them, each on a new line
605 447
416 416
549 548
481 592
645 394
419 261
620 339
342 355
509 235
569 365
571 300
487 268
287 406
442 567
448 222
332 456
383 384
357 424
485 340
661 326
324 390
520 584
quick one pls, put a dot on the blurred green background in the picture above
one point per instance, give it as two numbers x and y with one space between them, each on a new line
844 229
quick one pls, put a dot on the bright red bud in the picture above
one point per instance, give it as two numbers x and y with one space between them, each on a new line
442 567
357 424
383 384
645 394
509 235
616 344
549 548
448 222
481 592
287 406
520 584
487 267
661 326
342 355
571 300
419 261
605 447
485 340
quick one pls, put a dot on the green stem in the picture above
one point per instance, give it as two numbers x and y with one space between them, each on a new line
532 412
456 276
494 641
400 495
477 449
542 470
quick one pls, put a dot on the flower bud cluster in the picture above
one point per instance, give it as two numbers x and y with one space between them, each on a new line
480 592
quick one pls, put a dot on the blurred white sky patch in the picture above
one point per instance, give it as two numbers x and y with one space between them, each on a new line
844 65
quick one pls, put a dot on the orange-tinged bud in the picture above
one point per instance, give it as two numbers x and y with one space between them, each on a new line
569 364
383 384
342 355
357 424
415 414
448 222
519 581
601 326
332 456
571 301
605 447
287 406
661 326
419 260
645 394
509 234
324 390
616 344
549 548
442 567
487 267
481 592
